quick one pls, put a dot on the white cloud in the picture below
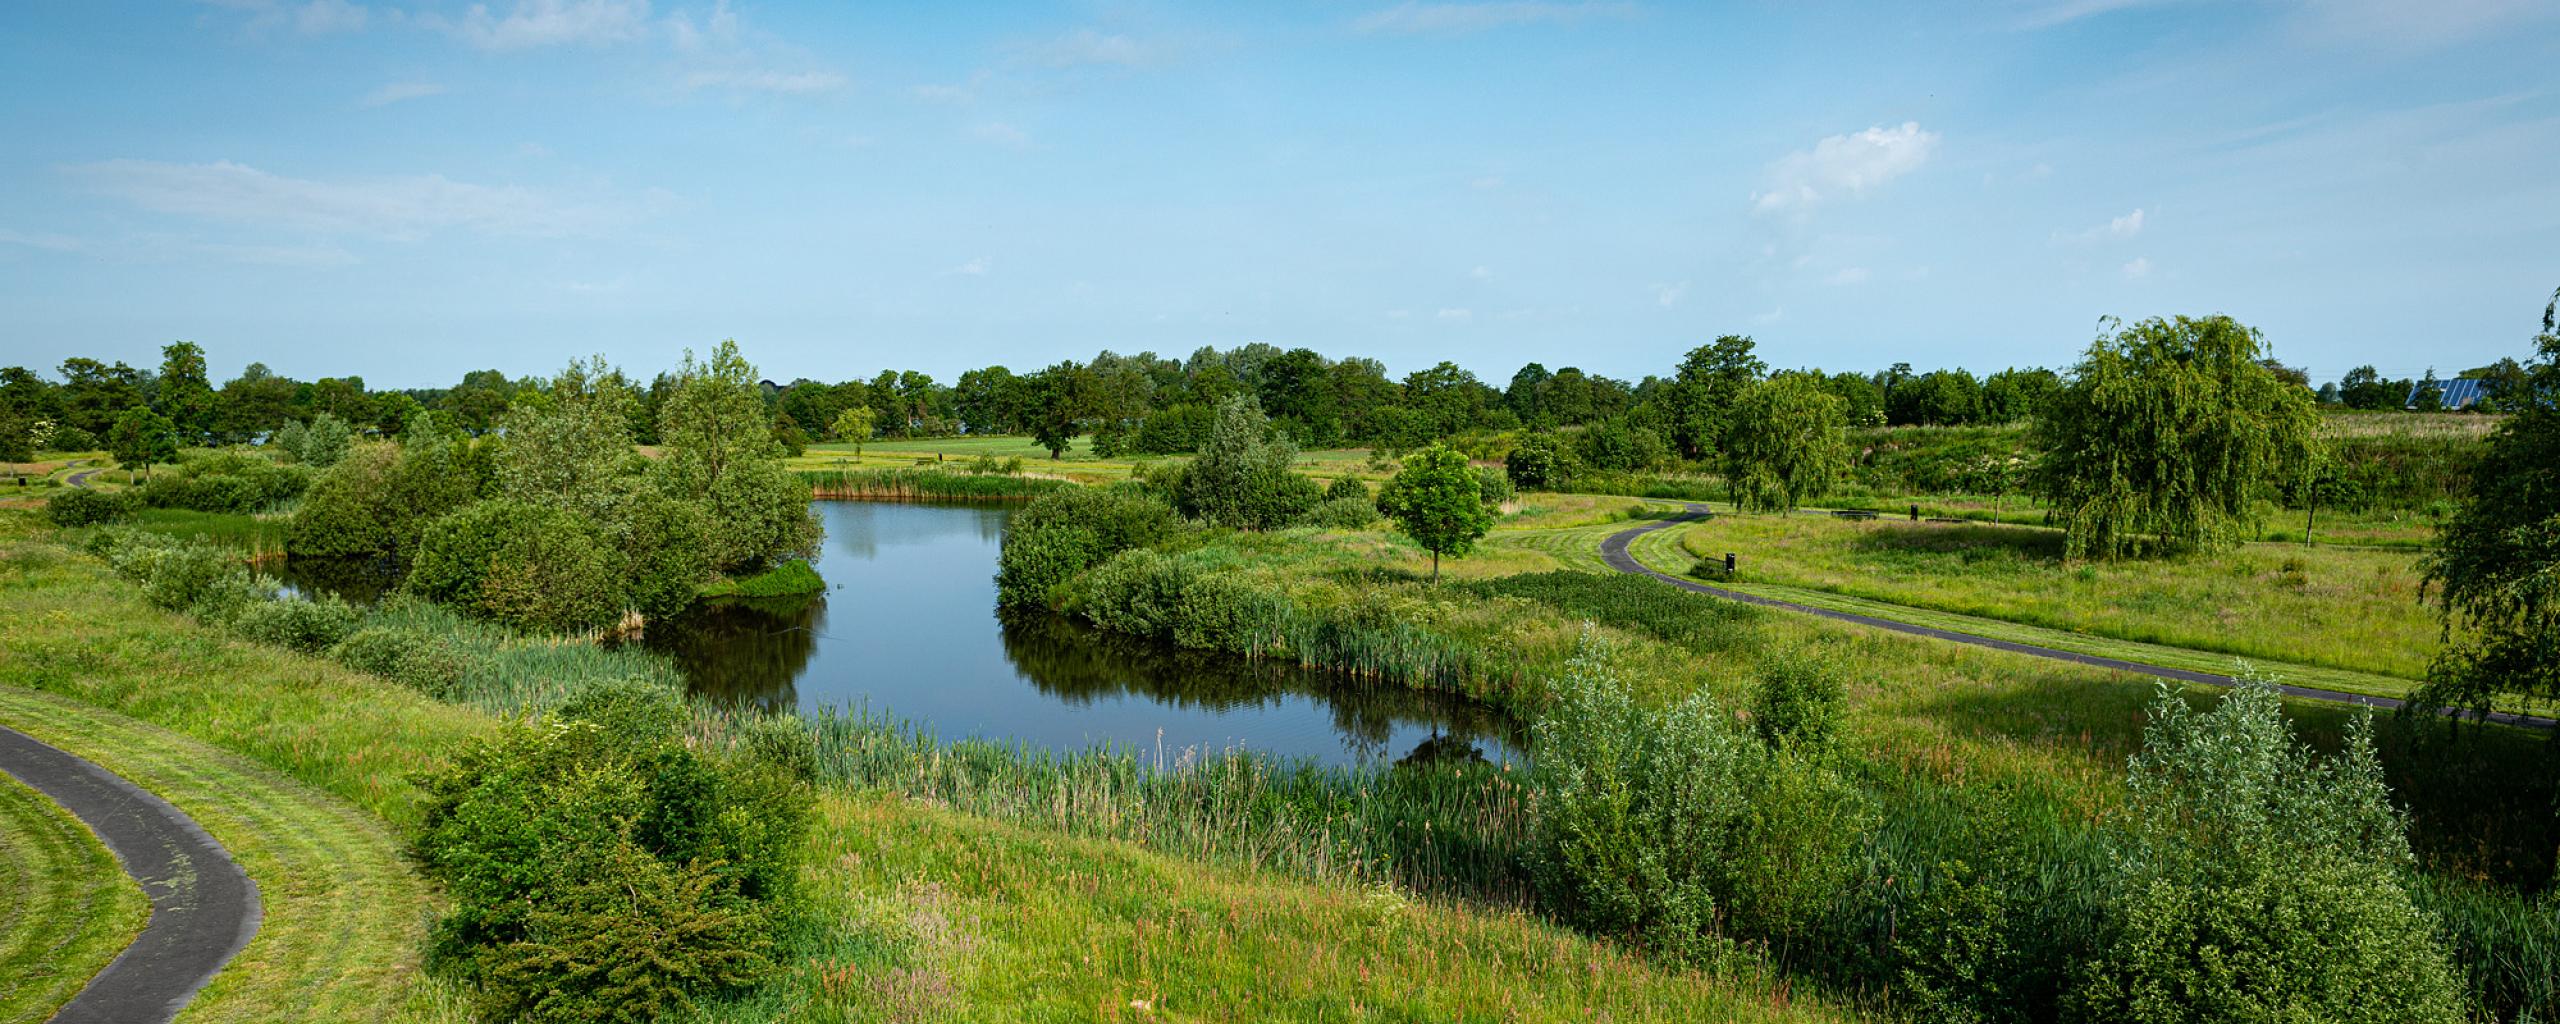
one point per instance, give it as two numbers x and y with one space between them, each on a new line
398 208
974 268
785 82
322 17
1851 163
2115 229
964 92
398 91
1086 47
1481 273
2052 14
1770 317
537 23
1669 295
2138 268
721 27
1847 276
1456 316
998 133
1423 18
1487 183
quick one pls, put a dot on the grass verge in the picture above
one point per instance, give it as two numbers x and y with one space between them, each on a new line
73 910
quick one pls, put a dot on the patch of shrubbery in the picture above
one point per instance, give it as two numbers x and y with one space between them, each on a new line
308 625
1343 514
519 563
88 506
227 482
420 661
602 869
790 579
1062 534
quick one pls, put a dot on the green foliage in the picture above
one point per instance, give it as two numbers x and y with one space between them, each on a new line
422 661
2496 565
229 482
993 483
306 625
1343 513
1493 486
1241 478
603 870
82 506
790 579
1787 443
1346 488
854 426
719 453
324 442
1539 462
347 512
142 438
1710 379
2259 881
569 445
1634 811
523 564
2169 430
1438 500
1798 705
1063 533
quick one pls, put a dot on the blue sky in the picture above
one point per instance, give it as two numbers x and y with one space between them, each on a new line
409 189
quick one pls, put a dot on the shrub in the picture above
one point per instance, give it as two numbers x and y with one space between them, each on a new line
420 661
179 576
1633 810
225 482
1241 478
1343 514
1798 704
347 512
602 869
1346 488
1493 486
522 564
309 626
1539 462
1063 533
2258 881
89 507
790 579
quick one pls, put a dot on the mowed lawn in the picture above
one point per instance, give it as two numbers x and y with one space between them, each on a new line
2348 608
69 911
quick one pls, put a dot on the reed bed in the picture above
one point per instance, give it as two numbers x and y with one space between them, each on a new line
926 484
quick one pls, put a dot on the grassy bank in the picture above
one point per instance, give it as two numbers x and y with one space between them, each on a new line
2349 609
71 908
926 484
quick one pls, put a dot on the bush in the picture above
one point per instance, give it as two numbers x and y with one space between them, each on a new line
347 512
1634 810
1063 533
227 482
419 661
1798 704
1346 487
522 564
602 869
67 438
2258 881
309 626
1344 514
790 579
81 506
1539 462
1241 478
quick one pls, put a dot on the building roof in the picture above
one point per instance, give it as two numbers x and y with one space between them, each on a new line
2458 394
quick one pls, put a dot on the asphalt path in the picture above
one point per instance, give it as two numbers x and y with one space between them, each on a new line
1613 550
203 907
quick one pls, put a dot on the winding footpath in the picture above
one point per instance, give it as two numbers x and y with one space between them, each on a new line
203 907
1613 551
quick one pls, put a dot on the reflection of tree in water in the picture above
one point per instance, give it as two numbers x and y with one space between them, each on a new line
859 529
360 581
1080 664
745 653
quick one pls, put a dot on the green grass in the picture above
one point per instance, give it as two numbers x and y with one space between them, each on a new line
257 537
790 579
71 908
927 483
2347 609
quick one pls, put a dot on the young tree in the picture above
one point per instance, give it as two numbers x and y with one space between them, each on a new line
1438 501
142 437
2168 430
1540 461
1242 477
1789 441
720 453
854 426
324 442
2496 565
186 396
568 444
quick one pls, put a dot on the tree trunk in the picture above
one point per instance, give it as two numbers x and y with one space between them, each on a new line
1435 567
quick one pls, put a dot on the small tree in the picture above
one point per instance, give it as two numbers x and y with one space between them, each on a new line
854 426
325 441
1539 462
2169 430
1439 502
142 437
1242 477
1789 440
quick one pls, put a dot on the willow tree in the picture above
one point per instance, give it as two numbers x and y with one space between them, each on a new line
1788 441
2496 564
720 453
2166 433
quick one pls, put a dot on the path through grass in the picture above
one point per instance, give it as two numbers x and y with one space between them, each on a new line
71 908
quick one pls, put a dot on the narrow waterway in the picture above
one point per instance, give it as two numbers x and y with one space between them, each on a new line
908 627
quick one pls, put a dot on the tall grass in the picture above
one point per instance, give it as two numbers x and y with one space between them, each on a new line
910 484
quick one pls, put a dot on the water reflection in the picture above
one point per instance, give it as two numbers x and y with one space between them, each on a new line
908 627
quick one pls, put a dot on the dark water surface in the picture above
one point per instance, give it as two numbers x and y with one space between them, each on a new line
908 627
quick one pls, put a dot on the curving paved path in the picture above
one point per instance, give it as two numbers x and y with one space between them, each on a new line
1613 550
203 907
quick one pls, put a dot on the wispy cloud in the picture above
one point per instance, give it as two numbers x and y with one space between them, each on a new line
531 24
1087 47
784 82
1454 315
1669 295
2115 229
2049 15
312 18
1847 276
1850 164
998 133
405 208
399 91
2138 268
47 242
1452 18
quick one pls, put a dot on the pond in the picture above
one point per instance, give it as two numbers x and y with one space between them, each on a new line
908 627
